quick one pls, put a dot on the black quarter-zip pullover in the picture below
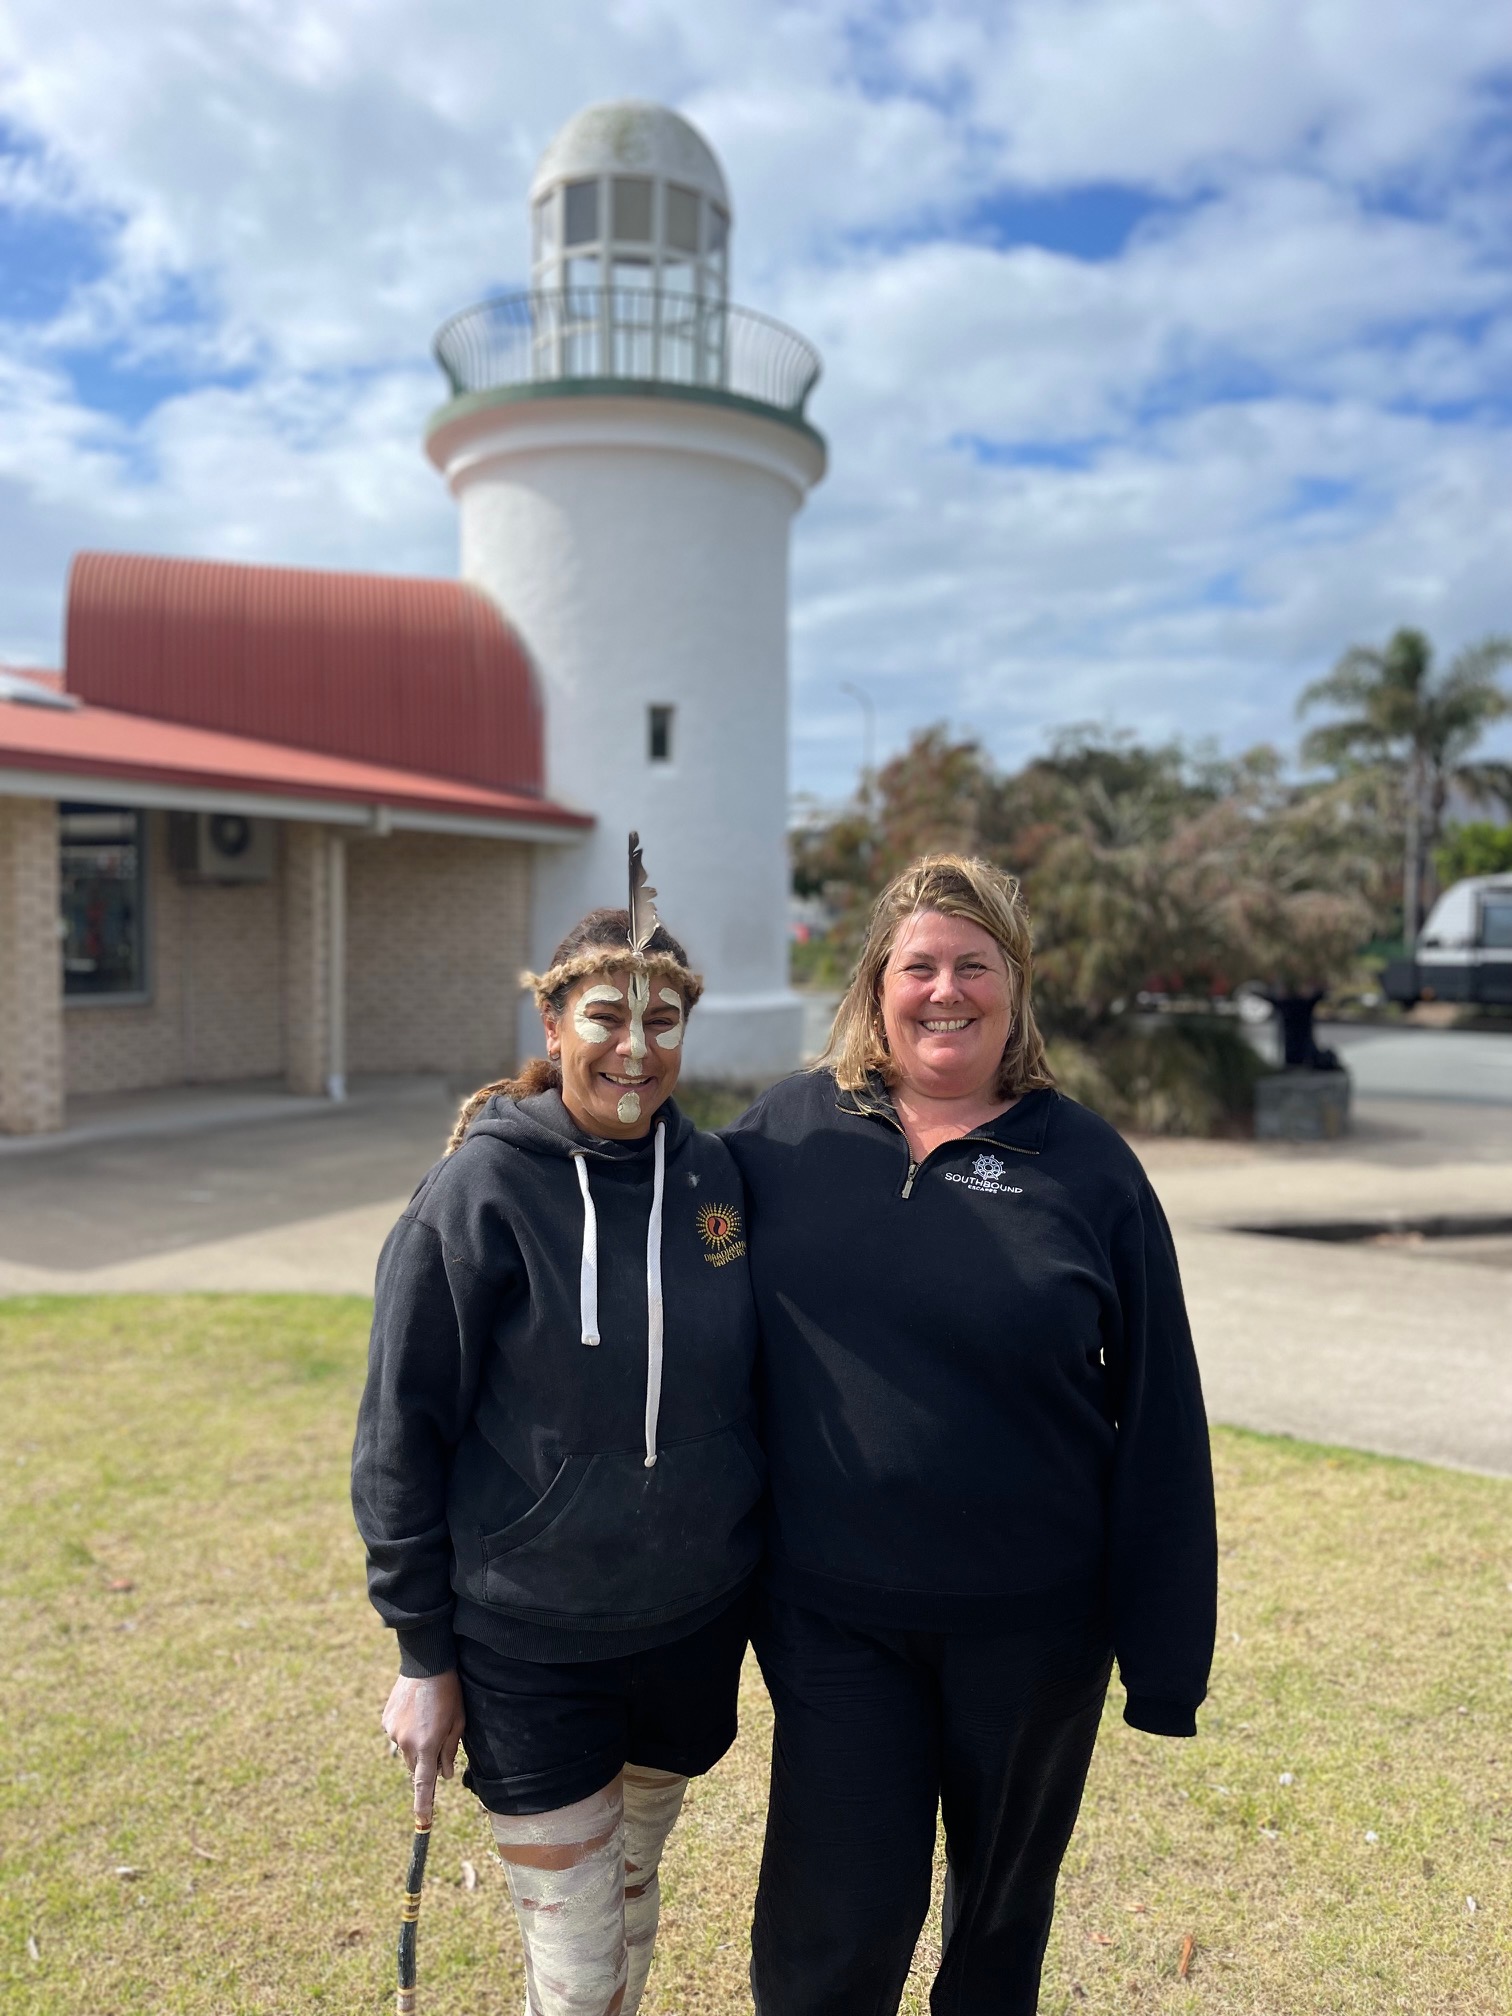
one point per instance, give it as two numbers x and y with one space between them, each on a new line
980 1402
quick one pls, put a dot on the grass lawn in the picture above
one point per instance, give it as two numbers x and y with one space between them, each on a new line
198 1813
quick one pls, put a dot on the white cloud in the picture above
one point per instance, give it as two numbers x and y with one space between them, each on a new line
288 196
1178 93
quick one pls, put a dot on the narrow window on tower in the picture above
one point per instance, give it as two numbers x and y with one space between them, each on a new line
659 734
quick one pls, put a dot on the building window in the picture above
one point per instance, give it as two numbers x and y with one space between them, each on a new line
104 888
659 734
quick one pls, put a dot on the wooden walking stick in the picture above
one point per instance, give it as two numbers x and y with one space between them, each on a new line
409 1923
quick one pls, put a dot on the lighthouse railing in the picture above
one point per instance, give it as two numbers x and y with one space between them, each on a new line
651 335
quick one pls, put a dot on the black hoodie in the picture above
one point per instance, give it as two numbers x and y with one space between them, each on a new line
560 1499
980 1401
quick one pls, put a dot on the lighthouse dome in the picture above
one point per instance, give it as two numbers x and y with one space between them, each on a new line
631 136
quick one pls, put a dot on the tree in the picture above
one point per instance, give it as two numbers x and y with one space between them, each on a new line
1192 880
1419 726
939 795
1478 848
1126 879
1147 868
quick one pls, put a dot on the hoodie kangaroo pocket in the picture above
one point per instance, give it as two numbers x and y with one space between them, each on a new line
612 1543
552 1502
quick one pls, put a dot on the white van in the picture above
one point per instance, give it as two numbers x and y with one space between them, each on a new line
1464 951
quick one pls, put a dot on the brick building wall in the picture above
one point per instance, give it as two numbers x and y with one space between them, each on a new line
436 939
306 949
31 976
237 974
214 957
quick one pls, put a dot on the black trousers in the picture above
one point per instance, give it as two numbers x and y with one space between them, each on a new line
874 1731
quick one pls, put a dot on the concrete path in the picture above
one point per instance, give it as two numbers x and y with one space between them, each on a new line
200 1199
1401 1348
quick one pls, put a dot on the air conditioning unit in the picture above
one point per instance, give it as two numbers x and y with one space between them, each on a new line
222 847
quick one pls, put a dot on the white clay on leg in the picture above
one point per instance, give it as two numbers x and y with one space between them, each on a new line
566 1876
653 1800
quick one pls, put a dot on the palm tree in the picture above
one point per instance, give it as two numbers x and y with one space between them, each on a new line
1418 725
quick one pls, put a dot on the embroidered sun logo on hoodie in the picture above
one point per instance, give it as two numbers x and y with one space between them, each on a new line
719 1228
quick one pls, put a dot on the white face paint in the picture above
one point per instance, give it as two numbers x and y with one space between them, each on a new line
586 1027
640 1001
628 1108
669 1039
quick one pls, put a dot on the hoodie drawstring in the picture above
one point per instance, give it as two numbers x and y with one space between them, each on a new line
588 1281
654 1297
588 1272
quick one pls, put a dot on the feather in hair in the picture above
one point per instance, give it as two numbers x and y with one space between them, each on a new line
644 922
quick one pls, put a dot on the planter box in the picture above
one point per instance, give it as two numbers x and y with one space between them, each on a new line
1302 1106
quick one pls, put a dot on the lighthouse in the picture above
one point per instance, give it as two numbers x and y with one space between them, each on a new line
628 450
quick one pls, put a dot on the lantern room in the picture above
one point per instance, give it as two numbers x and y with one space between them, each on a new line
630 195
630 248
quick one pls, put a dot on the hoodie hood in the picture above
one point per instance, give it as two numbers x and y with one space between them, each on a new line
541 1125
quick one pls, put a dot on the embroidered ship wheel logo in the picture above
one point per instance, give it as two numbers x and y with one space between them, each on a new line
718 1226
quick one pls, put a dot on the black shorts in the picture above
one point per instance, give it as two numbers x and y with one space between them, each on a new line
542 1735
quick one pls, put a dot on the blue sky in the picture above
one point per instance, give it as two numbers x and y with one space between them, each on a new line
1168 343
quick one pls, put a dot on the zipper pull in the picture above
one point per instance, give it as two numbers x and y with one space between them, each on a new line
908 1180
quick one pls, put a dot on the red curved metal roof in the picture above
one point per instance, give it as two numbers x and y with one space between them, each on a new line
422 675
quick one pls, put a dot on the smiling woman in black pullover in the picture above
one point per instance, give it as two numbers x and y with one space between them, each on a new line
988 1466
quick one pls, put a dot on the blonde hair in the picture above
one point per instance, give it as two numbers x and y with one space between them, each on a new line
954 886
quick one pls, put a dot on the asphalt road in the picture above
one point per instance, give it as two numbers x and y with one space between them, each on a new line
1424 1063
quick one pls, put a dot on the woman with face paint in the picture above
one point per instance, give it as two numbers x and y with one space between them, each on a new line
555 1472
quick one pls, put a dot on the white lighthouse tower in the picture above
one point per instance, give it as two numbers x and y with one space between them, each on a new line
627 451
